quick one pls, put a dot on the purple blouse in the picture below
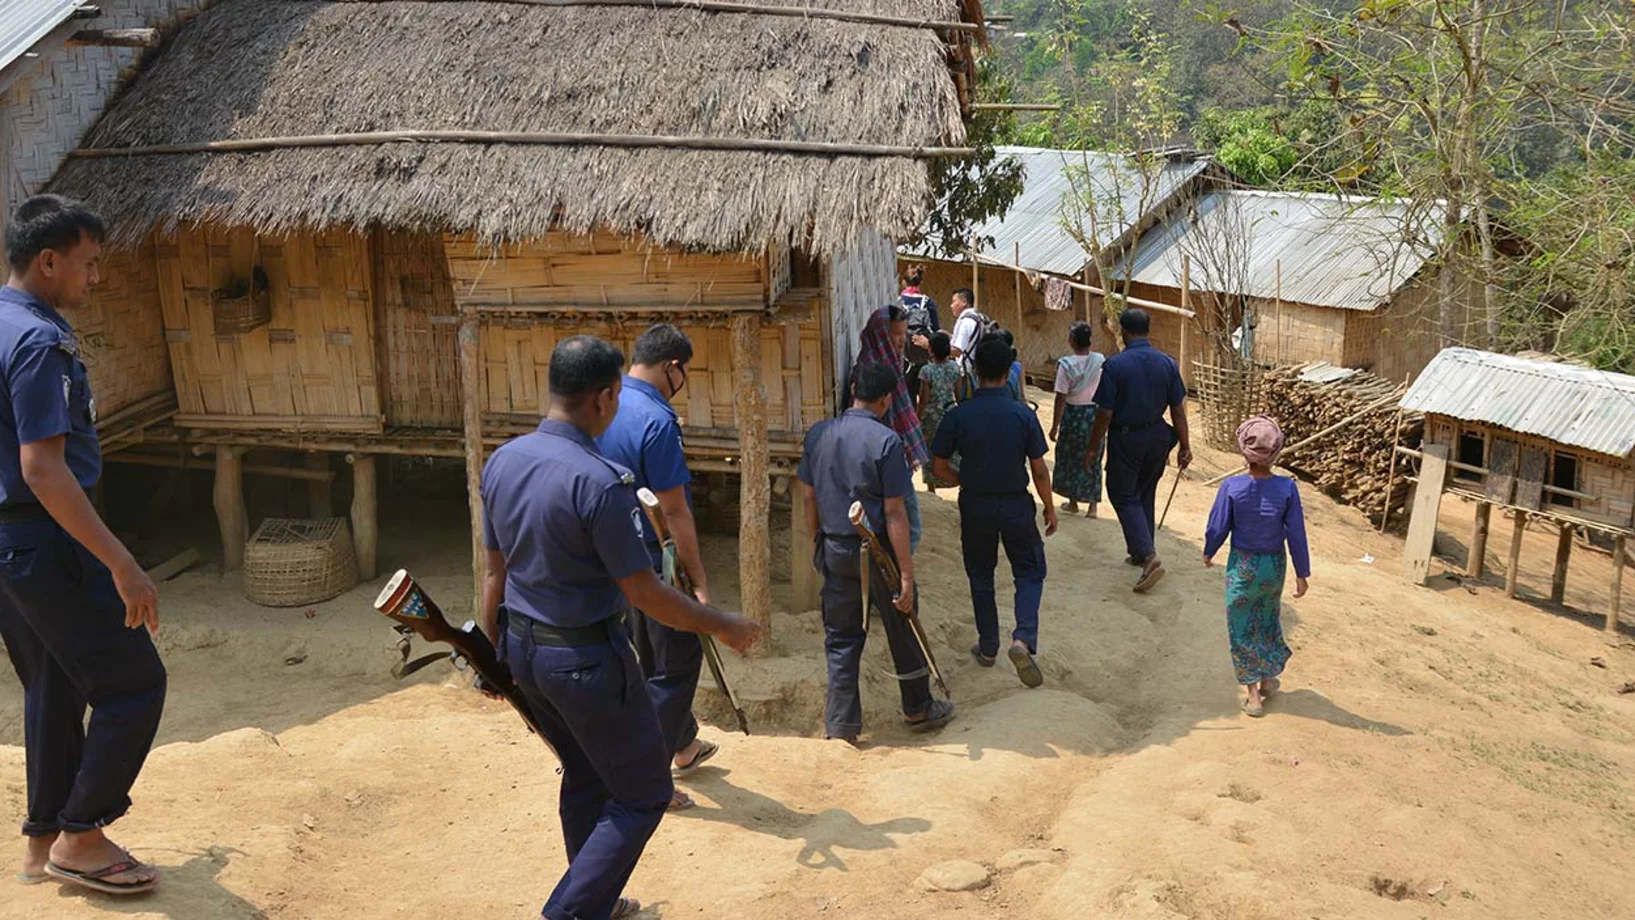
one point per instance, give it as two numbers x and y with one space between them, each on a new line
1260 515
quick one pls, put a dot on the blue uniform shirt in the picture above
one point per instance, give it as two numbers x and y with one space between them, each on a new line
47 393
646 437
567 522
854 458
1138 384
996 436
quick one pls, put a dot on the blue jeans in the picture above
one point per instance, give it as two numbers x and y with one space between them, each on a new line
593 707
1135 465
911 506
64 628
986 521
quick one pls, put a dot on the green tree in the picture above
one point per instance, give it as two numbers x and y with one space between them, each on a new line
970 190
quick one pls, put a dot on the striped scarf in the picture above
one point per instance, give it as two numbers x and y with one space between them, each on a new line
876 349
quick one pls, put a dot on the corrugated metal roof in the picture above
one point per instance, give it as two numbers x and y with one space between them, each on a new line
1578 406
1349 253
1324 372
24 22
1053 184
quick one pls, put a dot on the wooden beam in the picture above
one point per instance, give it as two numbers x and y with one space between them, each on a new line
1564 552
755 495
365 527
1476 559
1617 599
1416 552
320 492
1186 304
470 339
230 512
114 38
793 12
1017 332
526 138
804 593
175 565
1149 305
1013 107
248 469
1511 574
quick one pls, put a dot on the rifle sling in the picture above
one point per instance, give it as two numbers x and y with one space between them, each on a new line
406 667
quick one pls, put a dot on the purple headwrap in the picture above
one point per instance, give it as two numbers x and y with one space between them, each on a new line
1260 440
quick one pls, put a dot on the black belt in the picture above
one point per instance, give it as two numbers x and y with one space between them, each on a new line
19 512
556 636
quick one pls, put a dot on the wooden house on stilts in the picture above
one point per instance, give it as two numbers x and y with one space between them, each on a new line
359 228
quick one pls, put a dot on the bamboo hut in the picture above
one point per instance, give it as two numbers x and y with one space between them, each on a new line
1542 440
359 228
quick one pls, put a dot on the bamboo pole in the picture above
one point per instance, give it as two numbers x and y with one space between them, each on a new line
247 469
231 515
1391 474
1150 305
114 38
1021 353
793 12
1186 304
976 279
1279 304
1298 445
470 339
524 138
1085 289
1013 107
755 493
365 526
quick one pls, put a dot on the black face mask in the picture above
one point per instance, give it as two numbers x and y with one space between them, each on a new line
675 388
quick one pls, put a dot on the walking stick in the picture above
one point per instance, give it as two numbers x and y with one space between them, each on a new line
675 576
888 567
1179 474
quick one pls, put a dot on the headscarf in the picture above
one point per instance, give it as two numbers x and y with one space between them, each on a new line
1260 440
876 347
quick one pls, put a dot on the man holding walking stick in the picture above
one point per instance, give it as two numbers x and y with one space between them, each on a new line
1137 386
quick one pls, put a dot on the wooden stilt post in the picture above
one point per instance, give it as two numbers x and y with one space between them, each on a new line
320 492
365 530
755 496
230 511
1516 535
470 338
1564 553
1476 561
1617 600
1278 348
803 580
1186 304
1021 353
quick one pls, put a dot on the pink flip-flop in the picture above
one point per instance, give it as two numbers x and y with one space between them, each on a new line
97 880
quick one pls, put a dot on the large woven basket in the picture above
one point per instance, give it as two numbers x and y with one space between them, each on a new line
241 305
291 562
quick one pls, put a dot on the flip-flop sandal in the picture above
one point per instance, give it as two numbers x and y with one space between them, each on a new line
96 881
706 750
981 659
1150 580
1276 686
680 801
625 908
1026 668
25 878
1253 709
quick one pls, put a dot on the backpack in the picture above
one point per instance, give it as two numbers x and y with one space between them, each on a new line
966 387
917 307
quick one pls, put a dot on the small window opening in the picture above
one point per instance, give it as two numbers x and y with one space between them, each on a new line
1472 452
1564 475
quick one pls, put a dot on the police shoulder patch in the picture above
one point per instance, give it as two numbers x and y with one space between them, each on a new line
636 522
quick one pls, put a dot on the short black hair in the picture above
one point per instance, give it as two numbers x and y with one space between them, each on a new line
661 344
993 358
1135 321
582 365
895 313
915 275
49 222
1008 336
1079 334
873 381
941 345
967 293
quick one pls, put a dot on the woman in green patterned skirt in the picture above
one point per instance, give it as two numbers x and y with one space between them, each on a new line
1076 477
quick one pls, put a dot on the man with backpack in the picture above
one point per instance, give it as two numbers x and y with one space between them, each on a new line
923 322
971 326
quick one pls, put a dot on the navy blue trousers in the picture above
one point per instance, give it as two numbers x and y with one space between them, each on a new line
671 660
845 631
64 628
986 521
1135 466
593 707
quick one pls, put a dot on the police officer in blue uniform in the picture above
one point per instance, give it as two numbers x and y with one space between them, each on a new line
566 551
858 458
646 437
1000 444
1137 385
73 601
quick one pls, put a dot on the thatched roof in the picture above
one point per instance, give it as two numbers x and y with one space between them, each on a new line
266 68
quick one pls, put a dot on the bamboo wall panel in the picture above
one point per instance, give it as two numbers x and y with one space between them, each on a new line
516 370
861 281
601 270
312 367
121 333
418 324
1610 479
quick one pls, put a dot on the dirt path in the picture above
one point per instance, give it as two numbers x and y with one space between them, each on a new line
1437 753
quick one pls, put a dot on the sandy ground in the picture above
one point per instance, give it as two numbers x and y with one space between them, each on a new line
1437 752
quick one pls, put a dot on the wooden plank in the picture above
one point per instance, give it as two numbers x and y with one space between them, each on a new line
1534 464
1416 552
1501 475
1564 552
1617 597
365 533
1512 572
229 503
1476 561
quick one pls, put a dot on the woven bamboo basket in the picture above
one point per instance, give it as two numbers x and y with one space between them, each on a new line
291 562
241 305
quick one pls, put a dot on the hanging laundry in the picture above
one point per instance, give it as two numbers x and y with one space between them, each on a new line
1058 296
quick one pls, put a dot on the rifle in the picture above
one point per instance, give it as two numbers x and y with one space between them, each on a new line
415 613
888 567
675 576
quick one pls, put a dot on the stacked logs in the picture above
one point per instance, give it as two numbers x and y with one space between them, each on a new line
1351 463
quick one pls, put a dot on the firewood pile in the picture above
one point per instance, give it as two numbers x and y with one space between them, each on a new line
1353 415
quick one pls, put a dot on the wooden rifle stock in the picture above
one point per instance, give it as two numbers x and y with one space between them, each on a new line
894 577
712 654
407 604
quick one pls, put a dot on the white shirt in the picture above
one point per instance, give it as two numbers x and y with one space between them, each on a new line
1085 396
964 332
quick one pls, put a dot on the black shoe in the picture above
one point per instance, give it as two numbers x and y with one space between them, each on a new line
981 659
939 714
